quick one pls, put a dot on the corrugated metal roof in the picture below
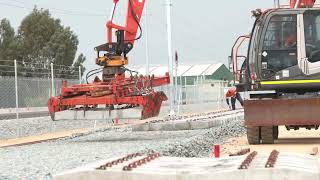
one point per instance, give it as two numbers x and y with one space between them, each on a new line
212 69
142 70
159 71
196 70
183 70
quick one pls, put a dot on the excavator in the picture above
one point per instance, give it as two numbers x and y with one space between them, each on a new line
115 89
281 72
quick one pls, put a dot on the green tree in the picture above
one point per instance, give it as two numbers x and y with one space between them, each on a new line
43 39
7 47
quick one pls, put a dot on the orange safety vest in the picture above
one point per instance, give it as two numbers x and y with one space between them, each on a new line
231 92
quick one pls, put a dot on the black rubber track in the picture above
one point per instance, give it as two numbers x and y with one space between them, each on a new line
253 135
275 132
267 135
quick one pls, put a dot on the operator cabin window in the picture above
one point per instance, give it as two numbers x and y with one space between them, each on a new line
312 35
280 44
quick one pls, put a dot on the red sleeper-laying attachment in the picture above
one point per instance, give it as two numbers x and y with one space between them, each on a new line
134 91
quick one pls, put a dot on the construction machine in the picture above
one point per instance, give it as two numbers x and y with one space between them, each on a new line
115 89
281 71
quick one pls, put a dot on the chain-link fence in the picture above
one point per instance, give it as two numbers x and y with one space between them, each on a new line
26 87
202 96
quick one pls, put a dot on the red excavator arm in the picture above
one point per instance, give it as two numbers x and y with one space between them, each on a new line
135 9
115 89
115 53
302 3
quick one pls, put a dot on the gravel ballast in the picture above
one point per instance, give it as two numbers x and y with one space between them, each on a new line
40 161
35 126
69 120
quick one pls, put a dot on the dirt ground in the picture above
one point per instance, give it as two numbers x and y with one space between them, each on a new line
301 141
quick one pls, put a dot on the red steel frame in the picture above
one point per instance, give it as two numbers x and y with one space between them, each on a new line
119 91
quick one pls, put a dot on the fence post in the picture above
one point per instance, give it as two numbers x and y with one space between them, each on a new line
194 91
185 88
219 96
52 81
16 88
180 100
80 78
180 95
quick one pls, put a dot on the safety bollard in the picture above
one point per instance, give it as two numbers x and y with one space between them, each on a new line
117 121
217 151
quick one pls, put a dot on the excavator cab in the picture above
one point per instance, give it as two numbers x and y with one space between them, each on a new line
281 72
284 51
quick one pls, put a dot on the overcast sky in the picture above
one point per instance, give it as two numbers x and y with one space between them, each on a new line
203 30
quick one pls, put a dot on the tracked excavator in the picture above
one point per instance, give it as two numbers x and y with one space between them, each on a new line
115 90
281 71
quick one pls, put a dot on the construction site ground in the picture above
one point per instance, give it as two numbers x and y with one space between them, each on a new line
79 146
302 141
42 160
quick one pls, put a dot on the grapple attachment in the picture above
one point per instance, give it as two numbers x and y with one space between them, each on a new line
153 104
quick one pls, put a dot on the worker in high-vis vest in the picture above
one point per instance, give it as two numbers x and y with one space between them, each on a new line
233 95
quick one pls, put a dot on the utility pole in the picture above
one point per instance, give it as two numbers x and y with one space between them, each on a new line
16 87
80 73
277 3
176 79
52 81
146 37
170 56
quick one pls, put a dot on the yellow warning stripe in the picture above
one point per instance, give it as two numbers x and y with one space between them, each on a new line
290 82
